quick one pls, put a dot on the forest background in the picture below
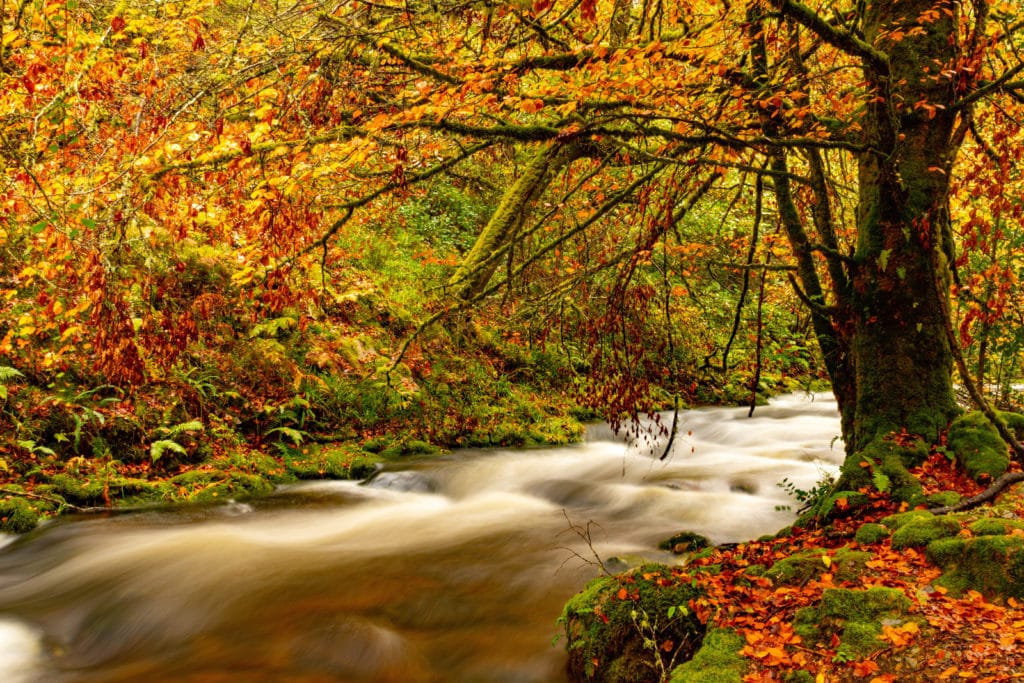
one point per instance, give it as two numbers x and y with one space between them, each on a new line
242 240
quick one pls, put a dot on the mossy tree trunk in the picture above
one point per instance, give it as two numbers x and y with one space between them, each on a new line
897 305
476 269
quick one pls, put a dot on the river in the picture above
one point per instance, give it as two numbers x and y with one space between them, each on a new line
447 569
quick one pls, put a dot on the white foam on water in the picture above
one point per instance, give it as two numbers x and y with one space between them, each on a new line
20 651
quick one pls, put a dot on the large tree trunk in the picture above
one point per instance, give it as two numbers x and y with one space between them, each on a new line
902 361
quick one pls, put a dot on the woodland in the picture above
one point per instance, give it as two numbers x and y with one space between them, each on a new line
247 242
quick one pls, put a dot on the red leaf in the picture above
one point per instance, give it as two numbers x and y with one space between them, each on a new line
588 8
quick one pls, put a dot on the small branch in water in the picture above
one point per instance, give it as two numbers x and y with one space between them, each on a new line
56 501
584 534
675 428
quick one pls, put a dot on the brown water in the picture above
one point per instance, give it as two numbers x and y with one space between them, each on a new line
450 569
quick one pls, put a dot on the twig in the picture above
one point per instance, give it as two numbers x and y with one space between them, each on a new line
56 501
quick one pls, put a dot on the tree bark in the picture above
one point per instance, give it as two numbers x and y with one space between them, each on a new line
902 361
476 269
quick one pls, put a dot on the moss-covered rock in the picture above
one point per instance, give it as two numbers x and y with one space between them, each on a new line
993 565
855 616
901 519
628 627
325 462
685 542
208 486
871 533
799 568
943 499
18 515
995 526
977 446
921 531
717 661
884 465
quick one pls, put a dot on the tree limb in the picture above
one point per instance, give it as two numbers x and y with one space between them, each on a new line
843 40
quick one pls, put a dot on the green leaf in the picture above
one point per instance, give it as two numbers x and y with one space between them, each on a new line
182 428
882 482
294 435
157 448
883 259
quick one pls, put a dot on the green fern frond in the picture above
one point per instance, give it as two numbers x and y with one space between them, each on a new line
9 374
158 448
182 428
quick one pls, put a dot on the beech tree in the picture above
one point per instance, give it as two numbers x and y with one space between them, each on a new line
854 116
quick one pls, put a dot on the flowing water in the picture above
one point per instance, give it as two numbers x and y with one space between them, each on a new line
450 569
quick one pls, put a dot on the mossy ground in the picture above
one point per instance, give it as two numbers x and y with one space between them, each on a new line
889 594
632 627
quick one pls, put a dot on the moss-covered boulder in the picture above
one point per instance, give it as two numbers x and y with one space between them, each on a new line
977 446
901 519
920 531
685 542
799 568
993 565
995 526
631 627
871 533
885 465
211 486
717 661
855 617
333 461
19 515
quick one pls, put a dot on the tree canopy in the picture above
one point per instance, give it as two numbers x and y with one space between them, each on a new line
632 153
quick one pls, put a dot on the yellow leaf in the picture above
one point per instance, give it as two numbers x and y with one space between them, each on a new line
826 560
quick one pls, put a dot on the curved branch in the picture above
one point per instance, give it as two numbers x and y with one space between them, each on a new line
843 40
988 494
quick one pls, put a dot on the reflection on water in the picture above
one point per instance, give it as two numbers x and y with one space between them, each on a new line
444 569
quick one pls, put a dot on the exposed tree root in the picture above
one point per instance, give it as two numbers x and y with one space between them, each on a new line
988 494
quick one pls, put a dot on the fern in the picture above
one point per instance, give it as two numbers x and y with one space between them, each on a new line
182 428
157 448
294 435
168 443
7 375
33 447
272 328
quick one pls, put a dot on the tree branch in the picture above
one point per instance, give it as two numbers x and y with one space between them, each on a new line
843 40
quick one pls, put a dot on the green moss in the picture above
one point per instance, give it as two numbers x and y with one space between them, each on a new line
327 462
800 676
1015 421
943 499
994 526
977 446
620 621
18 515
855 616
806 565
717 661
871 533
685 542
883 465
901 519
920 532
992 565
207 486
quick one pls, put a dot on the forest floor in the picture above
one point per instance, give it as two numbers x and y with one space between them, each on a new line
802 603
